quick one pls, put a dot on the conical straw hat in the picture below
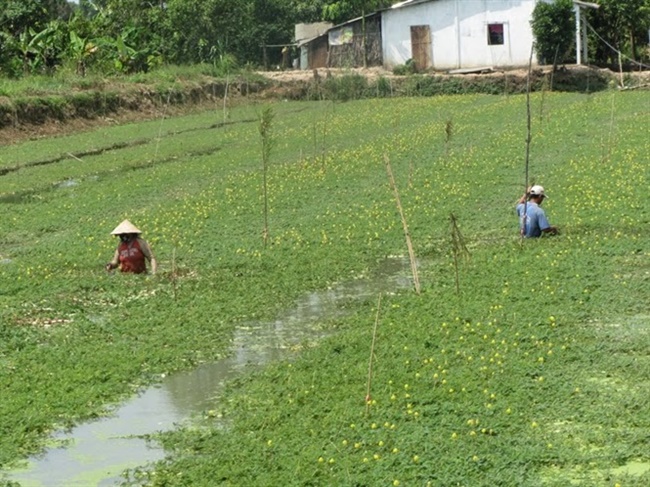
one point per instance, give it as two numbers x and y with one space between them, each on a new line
125 227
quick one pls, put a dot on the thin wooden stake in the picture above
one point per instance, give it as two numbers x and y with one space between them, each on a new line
620 69
611 129
265 125
174 273
459 248
528 139
409 245
162 119
372 354
74 157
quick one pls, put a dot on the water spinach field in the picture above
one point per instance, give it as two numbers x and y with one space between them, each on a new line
519 363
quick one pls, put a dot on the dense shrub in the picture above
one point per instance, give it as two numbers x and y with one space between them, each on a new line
346 87
405 69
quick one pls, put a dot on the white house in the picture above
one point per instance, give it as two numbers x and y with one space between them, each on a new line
441 35
458 34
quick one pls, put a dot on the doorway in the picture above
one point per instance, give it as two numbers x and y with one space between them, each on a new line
421 46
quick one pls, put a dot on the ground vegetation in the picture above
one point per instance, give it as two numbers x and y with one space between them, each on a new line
523 364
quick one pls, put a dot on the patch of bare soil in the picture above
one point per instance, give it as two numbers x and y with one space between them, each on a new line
370 73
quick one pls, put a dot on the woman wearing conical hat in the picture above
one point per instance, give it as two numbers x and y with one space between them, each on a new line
132 252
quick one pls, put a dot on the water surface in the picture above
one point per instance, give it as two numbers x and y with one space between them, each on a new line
96 453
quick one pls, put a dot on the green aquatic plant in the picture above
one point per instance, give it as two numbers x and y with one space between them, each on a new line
498 387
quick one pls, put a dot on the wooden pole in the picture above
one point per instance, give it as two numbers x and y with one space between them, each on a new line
528 140
409 245
372 354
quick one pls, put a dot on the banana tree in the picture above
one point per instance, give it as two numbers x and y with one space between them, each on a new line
24 45
81 49
119 50
46 45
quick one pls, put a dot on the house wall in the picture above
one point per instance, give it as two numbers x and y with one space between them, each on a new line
317 53
351 54
348 51
459 37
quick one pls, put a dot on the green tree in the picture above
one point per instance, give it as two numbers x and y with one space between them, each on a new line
193 27
307 10
343 10
81 49
623 24
20 22
130 33
274 21
49 46
554 31
18 16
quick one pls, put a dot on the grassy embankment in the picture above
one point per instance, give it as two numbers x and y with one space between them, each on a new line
35 100
535 374
26 104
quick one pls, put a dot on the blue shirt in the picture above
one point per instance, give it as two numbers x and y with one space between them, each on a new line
535 219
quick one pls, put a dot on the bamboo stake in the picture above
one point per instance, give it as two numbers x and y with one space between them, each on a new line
372 354
74 157
409 245
459 248
620 69
528 139
225 99
174 274
162 119
449 132
265 125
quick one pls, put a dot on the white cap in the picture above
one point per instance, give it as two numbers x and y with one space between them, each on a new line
537 190
125 227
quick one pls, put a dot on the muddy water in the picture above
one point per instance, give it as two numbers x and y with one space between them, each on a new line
95 454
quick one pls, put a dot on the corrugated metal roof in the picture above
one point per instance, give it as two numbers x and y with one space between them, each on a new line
407 3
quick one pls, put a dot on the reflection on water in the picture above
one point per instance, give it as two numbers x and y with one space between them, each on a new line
99 451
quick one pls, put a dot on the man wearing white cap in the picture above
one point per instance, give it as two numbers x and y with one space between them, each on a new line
132 252
536 223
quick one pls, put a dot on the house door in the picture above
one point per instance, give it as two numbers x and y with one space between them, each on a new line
421 46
